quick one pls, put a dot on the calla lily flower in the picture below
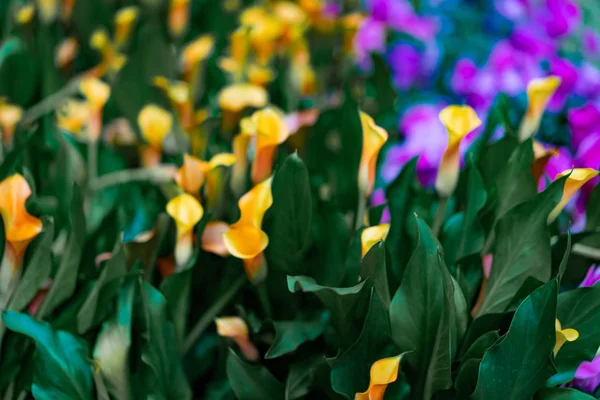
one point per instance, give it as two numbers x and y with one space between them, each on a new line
239 47
383 372
245 239
124 20
112 59
194 53
235 328
155 124
48 10
459 122
212 238
20 227
577 178
260 75
179 11
96 93
178 93
539 92
10 115
563 336
235 98
372 235
65 52
187 212
67 9
194 172
25 14
373 139
73 116
541 156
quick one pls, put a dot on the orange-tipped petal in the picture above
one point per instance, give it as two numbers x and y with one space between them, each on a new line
239 96
179 11
372 235
20 226
196 52
383 372
373 139
577 178
124 20
271 131
155 124
254 204
95 91
539 92
459 122
186 211
236 329
192 174
245 241
212 238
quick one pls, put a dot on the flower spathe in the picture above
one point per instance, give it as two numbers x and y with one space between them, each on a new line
541 156
10 115
372 235
563 336
96 92
155 124
194 53
194 172
373 139
539 92
187 212
271 131
179 11
383 372
235 328
592 277
72 116
236 97
124 20
577 177
459 122
245 239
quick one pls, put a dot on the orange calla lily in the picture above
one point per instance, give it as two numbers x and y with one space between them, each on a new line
212 238
577 178
65 52
73 116
194 53
245 239
187 212
112 59
270 131
10 115
193 173
178 93
179 11
563 336
372 235
541 156
459 122
124 20
539 92
96 93
235 328
155 124
383 372
373 139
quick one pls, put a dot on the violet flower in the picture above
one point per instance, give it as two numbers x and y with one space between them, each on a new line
592 277
587 376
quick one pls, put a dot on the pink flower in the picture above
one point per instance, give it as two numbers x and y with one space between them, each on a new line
463 76
568 74
583 121
587 376
591 42
561 18
588 83
371 37
593 276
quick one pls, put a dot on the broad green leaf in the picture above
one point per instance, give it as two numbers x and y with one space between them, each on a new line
289 335
113 345
19 71
105 289
350 372
466 378
478 348
375 213
302 375
398 196
290 216
340 302
163 376
65 279
517 366
578 309
427 316
561 394
373 267
331 236
463 234
496 116
522 249
61 362
494 159
37 270
252 382
352 265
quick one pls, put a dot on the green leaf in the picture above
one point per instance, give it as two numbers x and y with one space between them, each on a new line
428 314
350 371
290 216
37 270
61 361
113 346
302 375
340 302
463 234
375 213
65 279
163 377
522 249
147 252
373 267
522 361
252 382
466 378
561 394
578 309
565 260
104 291
480 345
289 335
398 196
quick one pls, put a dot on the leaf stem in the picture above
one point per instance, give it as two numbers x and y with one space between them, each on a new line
212 312
157 175
439 215
51 102
359 218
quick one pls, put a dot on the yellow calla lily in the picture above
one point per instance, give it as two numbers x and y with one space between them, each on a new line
112 59
245 238
10 115
179 11
194 53
193 173
577 178
20 227
383 372
187 212
373 139
235 328
541 156
155 124
271 131
539 92
236 97
124 20
372 235
563 336
48 10
459 122
260 75
24 14
96 93
178 93
73 116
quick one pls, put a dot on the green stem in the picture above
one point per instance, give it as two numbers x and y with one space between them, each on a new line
51 102
359 218
92 161
212 312
439 215
156 175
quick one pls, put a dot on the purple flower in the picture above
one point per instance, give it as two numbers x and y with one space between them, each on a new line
370 38
583 121
588 152
591 42
561 18
526 38
587 376
514 10
568 74
378 198
588 84
406 65
593 276
463 77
